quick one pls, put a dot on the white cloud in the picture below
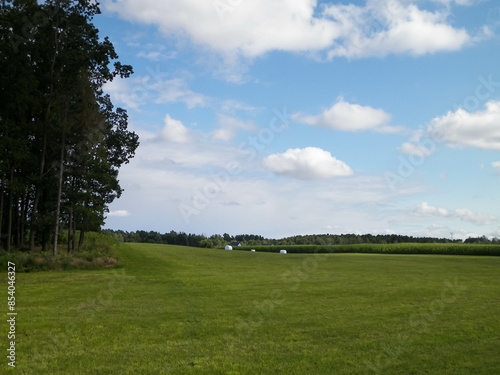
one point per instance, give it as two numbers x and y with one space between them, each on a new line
176 90
259 202
122 93
475 218
309 163
174 131
458 2
463 214
416 149
391 27
229 126
253 28
496 165
426 209
469 129
232 106
249 28
119 213
155 52
348 117
136 92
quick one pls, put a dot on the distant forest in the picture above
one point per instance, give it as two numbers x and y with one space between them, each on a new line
218 241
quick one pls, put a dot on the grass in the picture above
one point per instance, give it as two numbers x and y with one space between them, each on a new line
177 310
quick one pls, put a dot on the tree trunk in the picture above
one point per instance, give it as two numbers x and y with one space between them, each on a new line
44 241
11 203
37 197
70 229
2 183
82 238
24 214
16 222
59 193
44 148
73 237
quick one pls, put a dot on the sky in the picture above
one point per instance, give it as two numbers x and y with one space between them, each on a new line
288 117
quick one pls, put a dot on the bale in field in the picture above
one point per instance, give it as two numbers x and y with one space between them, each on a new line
282 251
228 247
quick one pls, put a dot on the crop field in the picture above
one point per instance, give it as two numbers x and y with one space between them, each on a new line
399 248
179 310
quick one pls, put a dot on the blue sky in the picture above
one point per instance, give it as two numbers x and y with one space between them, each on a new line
292 117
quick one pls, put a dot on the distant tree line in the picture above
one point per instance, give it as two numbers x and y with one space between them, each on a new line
62 141
183 239
218 241
483 240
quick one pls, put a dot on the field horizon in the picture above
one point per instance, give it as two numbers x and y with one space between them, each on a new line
180 310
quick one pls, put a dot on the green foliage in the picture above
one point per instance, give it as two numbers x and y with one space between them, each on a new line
252 241
400 248
98 252
62 142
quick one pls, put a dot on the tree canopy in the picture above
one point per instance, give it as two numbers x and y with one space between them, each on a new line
62 142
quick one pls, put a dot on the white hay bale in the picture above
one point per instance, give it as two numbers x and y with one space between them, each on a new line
253 250
228 247
282 251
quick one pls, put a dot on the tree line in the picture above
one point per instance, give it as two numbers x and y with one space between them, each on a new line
219 241
183 239
62 141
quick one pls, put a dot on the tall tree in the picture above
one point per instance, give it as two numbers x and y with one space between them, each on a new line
64 141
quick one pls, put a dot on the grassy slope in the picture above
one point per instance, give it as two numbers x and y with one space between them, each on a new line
176 310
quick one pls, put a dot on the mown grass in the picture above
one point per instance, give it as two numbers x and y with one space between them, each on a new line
177 310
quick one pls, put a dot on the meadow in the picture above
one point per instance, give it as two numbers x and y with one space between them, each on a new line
178 310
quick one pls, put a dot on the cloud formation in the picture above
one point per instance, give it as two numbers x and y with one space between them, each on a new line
417 149
229 126
174 131
390 27
310 163
119 213
136 92
463 214
254 28
461 128
348 117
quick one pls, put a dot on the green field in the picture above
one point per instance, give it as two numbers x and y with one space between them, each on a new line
178 310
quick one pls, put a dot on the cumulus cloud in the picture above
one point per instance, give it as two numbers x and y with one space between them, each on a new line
463 214
119 213
496 165
310 163
347 117
253 28
391 27
174 131
469 129
426 209
249 28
